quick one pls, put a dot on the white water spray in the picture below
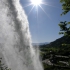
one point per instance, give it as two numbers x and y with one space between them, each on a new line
15 40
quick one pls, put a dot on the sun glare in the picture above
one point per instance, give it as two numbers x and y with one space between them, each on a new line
36 2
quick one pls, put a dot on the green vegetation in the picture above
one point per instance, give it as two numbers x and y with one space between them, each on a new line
56 55
65 6
2 66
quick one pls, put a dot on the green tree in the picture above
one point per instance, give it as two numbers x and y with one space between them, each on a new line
65 26
65 6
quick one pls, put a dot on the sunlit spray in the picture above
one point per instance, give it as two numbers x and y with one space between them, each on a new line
15 39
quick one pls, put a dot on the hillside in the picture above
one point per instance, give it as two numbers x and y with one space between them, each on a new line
58 42
55 55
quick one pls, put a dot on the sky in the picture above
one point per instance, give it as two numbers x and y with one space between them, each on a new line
43 23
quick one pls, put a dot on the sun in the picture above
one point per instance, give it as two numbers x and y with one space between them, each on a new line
36 2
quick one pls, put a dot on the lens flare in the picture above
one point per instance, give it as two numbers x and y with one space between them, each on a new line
39 4
36 2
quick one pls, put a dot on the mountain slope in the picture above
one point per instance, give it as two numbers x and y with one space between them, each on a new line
58 42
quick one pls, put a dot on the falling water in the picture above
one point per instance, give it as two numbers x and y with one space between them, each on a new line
15 40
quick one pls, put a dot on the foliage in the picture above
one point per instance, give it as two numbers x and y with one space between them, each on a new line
63 51
2 66
65 6
64 28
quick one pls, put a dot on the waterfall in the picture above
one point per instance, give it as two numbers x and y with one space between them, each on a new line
15 38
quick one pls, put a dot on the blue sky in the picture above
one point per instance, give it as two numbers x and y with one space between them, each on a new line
44 27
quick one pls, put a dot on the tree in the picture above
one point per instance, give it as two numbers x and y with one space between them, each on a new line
65 6
65 26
